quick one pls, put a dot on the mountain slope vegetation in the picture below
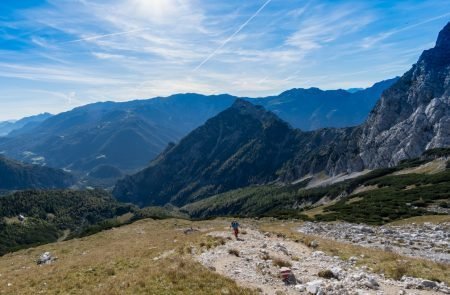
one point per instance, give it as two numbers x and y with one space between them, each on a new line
378 197
15 176
49 213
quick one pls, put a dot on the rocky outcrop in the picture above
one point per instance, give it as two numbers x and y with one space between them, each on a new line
411 117
414 114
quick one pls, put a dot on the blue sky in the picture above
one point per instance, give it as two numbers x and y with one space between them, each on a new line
59 54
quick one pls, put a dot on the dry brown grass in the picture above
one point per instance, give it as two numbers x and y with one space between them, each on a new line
391 264
147 257
326 274
422 219
234 252
277 261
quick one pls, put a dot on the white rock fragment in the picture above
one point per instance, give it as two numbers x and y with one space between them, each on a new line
314 286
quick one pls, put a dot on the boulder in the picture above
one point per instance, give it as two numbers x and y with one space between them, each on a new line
46 258
371 283
426 284
313 287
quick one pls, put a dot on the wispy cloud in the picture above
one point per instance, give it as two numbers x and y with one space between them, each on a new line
107 35
232 36
372 40
317 30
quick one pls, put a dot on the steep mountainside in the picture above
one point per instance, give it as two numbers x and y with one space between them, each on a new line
241 146
15 176
26 123
127 136
376 197
230 150
234 149
411 116
414 114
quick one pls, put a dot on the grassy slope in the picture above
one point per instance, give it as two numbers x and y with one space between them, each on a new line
120 261
155 257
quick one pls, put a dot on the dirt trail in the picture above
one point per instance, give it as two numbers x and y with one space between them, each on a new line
258 252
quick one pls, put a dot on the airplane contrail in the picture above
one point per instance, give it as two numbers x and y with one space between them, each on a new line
232 36
107 35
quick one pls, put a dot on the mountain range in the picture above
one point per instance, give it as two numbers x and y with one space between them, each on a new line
246 145
24 124
125 137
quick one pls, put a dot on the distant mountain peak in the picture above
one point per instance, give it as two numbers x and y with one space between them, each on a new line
247 107
443 40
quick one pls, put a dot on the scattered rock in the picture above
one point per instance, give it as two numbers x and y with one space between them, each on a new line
189 230
426 284
255 267
314 286
353 259
412 240
46 258
337 272
314 244
371 283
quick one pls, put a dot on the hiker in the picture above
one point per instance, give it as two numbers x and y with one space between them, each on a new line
235 227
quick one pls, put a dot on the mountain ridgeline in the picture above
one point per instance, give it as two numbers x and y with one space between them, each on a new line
246 145
127 136
24 124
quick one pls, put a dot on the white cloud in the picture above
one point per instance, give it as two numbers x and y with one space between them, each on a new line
325 26
370 41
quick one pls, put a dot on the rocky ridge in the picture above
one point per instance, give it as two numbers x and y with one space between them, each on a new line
414 114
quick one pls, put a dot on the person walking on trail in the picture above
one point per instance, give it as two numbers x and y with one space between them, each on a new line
235 227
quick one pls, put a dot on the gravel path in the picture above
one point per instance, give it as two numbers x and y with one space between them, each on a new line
254 267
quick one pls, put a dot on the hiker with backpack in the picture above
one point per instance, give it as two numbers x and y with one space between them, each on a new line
235 227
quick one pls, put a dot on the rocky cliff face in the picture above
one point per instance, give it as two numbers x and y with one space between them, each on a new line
414 114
